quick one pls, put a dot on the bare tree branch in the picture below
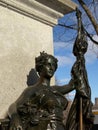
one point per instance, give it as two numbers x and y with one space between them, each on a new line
91 17
91 38
70 27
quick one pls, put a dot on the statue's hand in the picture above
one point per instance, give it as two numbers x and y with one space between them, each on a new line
13 127
15 123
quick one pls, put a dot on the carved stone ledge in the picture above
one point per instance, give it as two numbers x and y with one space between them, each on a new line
47 12
62 6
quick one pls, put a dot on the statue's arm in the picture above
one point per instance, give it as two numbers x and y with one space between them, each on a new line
12 110
13 107
15 121
66 88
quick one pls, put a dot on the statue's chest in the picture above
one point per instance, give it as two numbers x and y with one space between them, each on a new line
49 98
43 99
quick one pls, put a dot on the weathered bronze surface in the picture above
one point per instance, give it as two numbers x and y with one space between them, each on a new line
41 106
80 115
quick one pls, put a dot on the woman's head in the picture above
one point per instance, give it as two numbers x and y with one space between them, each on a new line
43 60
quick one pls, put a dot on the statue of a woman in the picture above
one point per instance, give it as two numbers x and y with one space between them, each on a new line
41 106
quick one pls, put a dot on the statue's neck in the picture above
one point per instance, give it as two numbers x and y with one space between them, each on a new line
44 81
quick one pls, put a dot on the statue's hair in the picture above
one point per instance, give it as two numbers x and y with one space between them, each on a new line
41 60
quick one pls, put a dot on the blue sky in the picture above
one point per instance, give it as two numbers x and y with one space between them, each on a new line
63 44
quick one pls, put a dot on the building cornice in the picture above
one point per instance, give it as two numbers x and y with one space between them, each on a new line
39 11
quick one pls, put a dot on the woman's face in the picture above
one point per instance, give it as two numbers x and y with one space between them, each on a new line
48 68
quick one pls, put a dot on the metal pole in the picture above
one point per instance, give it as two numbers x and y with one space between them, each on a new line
81 116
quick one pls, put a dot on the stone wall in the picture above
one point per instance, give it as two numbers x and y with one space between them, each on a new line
21 40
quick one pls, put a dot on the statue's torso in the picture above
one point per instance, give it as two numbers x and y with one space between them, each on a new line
44 104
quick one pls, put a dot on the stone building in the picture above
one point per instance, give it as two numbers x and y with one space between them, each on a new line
25 30
95 111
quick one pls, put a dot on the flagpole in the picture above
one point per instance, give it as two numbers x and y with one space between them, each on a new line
81 115
78 14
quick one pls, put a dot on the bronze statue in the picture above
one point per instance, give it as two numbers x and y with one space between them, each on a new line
80 115
41 106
